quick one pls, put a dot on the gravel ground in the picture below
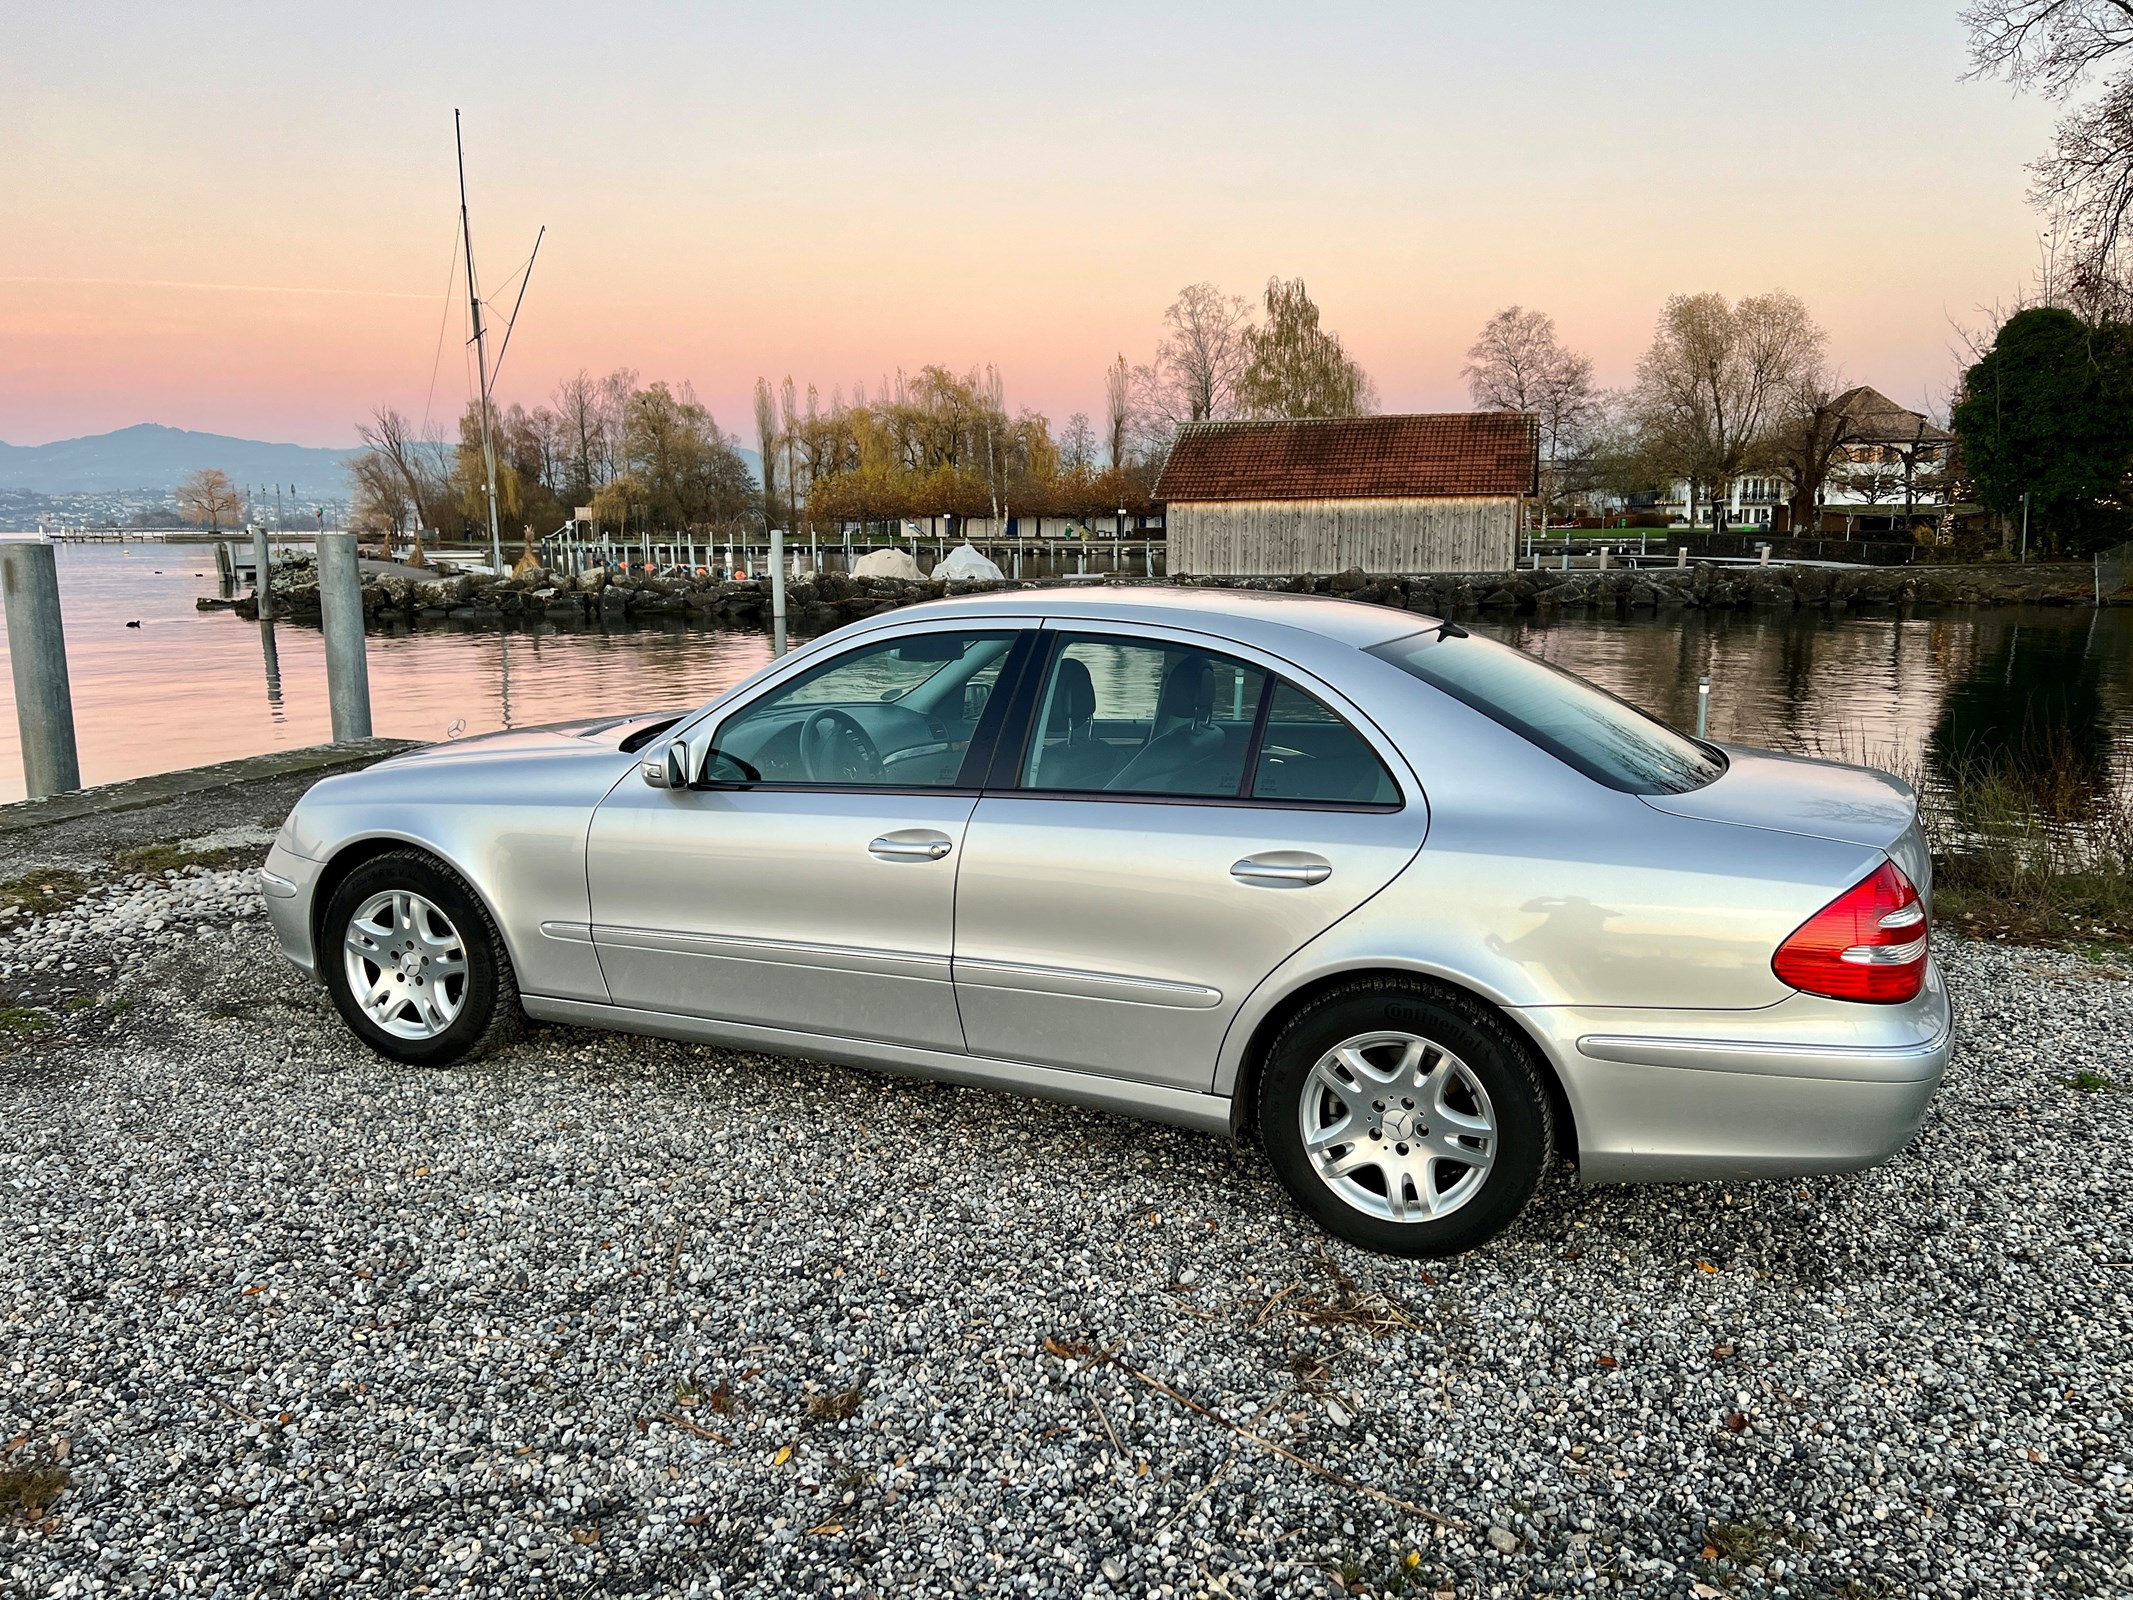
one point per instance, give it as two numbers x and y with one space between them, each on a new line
626 1317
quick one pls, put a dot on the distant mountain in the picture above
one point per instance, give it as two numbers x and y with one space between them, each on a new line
151 456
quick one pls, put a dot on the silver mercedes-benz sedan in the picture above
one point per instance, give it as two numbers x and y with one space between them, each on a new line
1421 911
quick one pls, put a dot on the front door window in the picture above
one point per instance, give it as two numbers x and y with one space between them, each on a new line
897 713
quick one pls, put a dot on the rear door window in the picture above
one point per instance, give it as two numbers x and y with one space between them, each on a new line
1143 718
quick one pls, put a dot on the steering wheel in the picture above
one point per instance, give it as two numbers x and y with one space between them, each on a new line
834 748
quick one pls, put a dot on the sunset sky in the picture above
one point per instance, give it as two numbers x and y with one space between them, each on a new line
240 218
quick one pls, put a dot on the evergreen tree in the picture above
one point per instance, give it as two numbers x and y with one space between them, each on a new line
2048 412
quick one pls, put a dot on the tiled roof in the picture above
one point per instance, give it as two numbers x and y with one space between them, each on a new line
1871 417
1354 458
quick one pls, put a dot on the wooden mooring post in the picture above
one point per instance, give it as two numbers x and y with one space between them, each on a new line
37 654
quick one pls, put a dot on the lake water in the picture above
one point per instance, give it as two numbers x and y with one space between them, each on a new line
188 687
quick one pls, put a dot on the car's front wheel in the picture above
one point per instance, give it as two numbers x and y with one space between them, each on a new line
1405 1117
414 962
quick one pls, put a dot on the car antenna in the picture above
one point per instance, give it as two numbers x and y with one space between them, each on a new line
1448 629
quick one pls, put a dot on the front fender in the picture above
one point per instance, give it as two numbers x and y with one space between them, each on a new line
514 828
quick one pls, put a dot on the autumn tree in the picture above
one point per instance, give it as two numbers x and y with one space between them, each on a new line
1710 389
692 472
1518 364
208 496
1293 367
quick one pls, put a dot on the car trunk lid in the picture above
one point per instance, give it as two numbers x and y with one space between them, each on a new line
1824 799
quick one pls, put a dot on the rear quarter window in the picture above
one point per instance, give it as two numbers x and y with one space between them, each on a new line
1583 726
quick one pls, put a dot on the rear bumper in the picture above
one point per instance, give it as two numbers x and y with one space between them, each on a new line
1800 1087
286 884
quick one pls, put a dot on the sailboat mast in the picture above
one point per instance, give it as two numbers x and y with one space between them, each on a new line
481 352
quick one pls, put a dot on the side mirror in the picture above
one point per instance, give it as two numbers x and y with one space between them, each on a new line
670 768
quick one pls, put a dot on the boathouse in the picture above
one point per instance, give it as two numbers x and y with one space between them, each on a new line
1432 492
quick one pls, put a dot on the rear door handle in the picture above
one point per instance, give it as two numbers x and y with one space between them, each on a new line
911 844
1295 870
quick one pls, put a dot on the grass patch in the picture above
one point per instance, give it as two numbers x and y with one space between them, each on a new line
27 1492
149 859
2088 1082
1739 1542
2034 847
23 1022
41 892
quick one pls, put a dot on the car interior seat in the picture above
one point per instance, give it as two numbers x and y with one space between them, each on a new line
1081 760
1185 751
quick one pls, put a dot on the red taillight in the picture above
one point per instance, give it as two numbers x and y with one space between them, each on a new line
1867 944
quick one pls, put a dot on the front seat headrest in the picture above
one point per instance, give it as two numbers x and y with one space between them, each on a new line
1073 697
1188 692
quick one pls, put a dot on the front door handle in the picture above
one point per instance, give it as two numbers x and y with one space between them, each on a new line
1295 870
911 844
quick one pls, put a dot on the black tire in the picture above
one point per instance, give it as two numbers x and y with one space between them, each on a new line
1500 1061
489 1014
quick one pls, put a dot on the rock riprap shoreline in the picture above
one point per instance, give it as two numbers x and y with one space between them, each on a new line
817 603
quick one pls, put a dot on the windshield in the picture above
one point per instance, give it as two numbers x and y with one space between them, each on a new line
1607 739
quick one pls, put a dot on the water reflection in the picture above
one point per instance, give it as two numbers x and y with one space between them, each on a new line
273 661
2032 695
1923 694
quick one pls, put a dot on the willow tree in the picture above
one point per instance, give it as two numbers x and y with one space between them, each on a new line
1295 368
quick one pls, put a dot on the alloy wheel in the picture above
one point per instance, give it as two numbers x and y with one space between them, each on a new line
1398 1127
406 964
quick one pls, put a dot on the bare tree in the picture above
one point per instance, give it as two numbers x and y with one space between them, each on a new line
1710 388
1518 364
417 465
1118 409
1077 446
766 446
2058 48
1194 375
1807 440
208 496
582 423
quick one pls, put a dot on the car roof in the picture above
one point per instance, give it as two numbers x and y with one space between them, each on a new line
1236 612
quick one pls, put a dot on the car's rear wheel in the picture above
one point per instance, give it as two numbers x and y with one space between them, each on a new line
414 962
1405 1117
